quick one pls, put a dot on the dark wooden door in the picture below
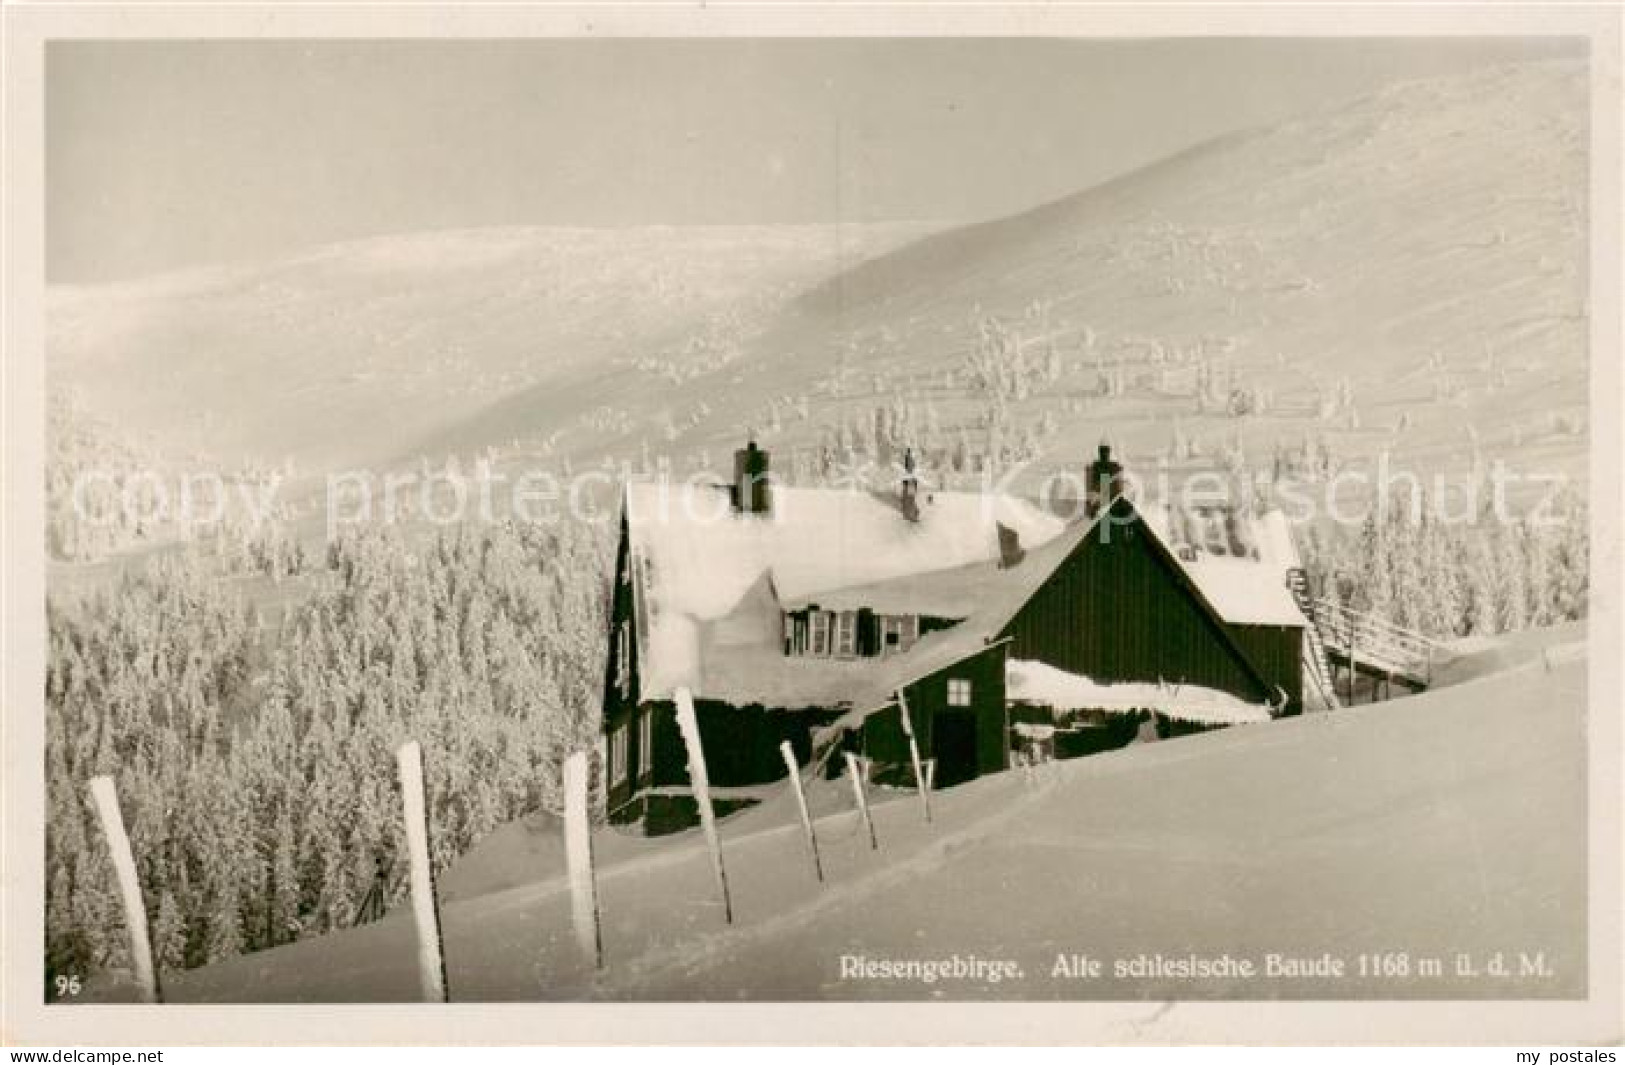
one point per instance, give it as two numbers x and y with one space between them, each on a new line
953 744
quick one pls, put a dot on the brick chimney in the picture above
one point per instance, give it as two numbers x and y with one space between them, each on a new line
1105 483
752 489
1010 549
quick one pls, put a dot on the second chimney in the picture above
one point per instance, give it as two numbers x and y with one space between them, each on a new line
1105 483
752 489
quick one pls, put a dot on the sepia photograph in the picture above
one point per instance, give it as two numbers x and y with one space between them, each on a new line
822 519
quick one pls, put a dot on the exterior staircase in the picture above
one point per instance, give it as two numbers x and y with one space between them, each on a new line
1359 643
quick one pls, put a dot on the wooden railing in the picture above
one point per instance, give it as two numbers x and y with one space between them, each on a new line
1374 644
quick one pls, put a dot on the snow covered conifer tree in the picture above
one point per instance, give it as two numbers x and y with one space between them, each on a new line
1570 555
1535 545
169 934
1512 577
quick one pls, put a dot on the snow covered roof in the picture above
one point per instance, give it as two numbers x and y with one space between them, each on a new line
712 584
944 593
762 674
1242 590
1245 589
697 561
1243 574
1041 684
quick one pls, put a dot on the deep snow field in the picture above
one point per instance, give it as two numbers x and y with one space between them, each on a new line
1440 825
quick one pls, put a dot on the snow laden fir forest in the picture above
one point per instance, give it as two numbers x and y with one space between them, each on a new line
254 754
246 685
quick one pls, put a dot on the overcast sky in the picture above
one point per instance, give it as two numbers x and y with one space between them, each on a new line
170 154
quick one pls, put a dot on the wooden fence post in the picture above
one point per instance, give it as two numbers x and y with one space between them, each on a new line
578 857
425 909
855 771
794 767
920 784
105 794
689 725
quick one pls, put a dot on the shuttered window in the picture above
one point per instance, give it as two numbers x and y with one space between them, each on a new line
846 634
820 632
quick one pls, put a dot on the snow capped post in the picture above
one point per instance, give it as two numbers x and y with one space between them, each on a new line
920 784
855 771
135 913
794 767
688 724
578 857
425 912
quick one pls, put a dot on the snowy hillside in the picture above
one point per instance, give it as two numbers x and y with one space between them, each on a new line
1299 837
1427 245
354 353
1406 272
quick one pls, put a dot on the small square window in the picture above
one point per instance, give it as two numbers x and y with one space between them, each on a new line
958 691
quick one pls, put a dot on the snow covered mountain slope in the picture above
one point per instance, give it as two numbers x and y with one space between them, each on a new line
353 353
1422 824
1405 273
1426 244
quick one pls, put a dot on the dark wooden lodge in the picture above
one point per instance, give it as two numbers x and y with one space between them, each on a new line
800 614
